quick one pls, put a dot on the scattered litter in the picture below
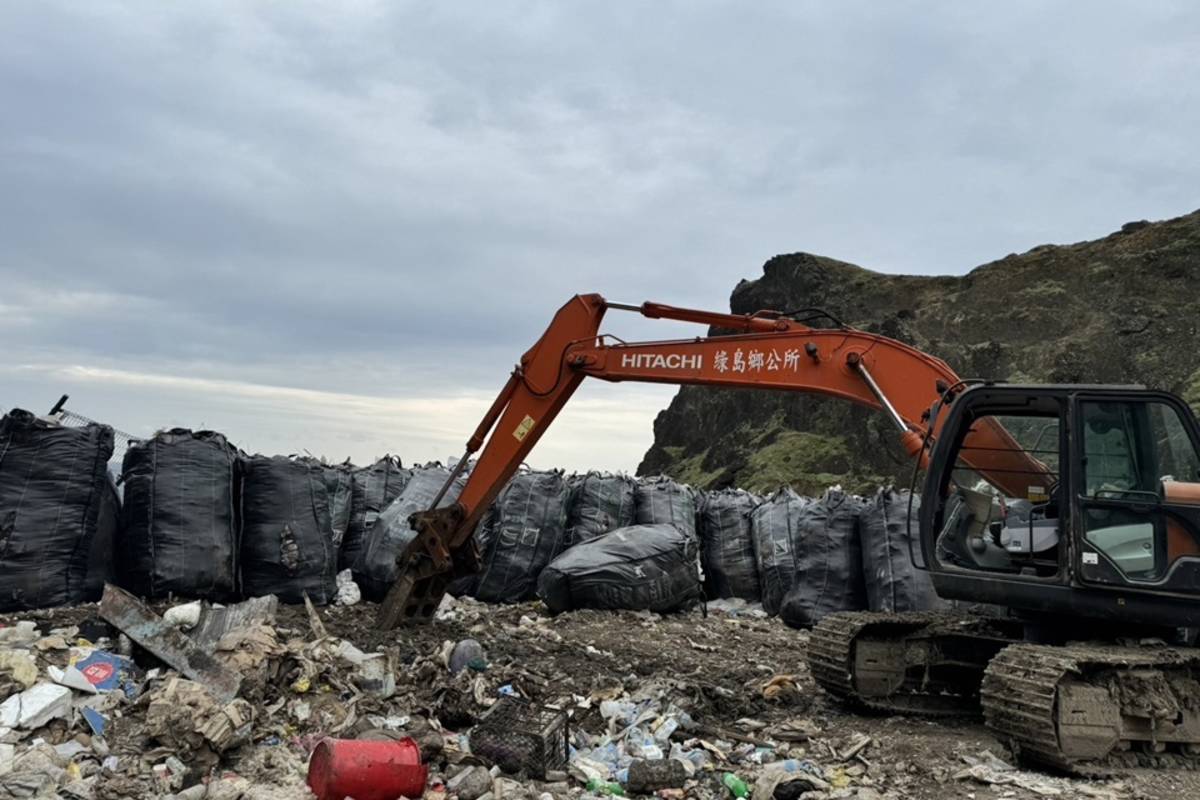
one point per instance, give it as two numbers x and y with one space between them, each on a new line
20 665
376 675
216 621
96 721
348 593
466 654
184 617
470 783
35 706
185 716
781 689
149 630
519 736
23 633
646 776
100 672
987 768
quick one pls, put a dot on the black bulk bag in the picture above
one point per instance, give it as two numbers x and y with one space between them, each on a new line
519 535
57 511
643 567
287 532
179 522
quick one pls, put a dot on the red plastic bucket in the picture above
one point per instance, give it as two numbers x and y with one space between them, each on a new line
366 770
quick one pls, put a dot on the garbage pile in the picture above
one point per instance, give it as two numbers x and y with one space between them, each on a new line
495 702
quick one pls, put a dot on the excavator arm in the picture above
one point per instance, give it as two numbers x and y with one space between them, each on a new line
764 350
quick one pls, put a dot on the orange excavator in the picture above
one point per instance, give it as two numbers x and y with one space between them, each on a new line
1074 508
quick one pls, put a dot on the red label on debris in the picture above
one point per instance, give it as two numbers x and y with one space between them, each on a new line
98 672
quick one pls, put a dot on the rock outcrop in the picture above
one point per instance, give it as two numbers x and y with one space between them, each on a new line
1122 309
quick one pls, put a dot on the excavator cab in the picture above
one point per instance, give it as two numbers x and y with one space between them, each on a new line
1103 522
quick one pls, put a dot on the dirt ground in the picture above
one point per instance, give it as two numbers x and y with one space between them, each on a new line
741 677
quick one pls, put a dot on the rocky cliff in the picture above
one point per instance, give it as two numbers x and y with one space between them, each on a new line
1122 309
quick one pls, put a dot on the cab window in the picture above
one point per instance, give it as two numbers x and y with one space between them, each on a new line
1131 452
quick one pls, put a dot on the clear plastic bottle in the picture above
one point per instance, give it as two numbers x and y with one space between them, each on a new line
668 727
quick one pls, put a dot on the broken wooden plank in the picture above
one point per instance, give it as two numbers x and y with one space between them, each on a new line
314 619
133 618
216 622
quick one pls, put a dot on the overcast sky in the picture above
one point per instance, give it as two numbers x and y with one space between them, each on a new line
334 227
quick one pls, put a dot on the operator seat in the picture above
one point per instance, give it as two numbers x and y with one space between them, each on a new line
965 539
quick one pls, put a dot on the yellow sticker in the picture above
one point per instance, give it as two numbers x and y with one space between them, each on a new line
524 428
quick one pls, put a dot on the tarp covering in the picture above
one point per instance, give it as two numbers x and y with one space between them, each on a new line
893 583
375 570
643 567
829 571
727 544
600 502
287 536
520 534
660 500
775 524
56 505
374 488
179 523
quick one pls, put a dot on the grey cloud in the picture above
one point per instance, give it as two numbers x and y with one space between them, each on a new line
395 197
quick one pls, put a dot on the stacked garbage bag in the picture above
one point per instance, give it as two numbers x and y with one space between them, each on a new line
828 561
372 489
599 502
642 567
662 501
287 535
201 519
727 544
377 565
58 512
890 553
180 519
776 527
520 534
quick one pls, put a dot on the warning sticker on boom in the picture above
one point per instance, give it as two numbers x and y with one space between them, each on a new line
523 429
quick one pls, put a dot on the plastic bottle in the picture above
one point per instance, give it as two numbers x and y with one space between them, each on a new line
597 786
623 711
736 786
795 765
663 734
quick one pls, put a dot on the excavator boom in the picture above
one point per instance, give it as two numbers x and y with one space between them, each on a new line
764 350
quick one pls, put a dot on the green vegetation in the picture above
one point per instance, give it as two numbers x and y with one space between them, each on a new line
803 461
1191 391
691 470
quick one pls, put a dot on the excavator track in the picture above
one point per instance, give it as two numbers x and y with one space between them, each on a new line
922 664
1096 710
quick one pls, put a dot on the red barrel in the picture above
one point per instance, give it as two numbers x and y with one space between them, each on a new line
366 770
